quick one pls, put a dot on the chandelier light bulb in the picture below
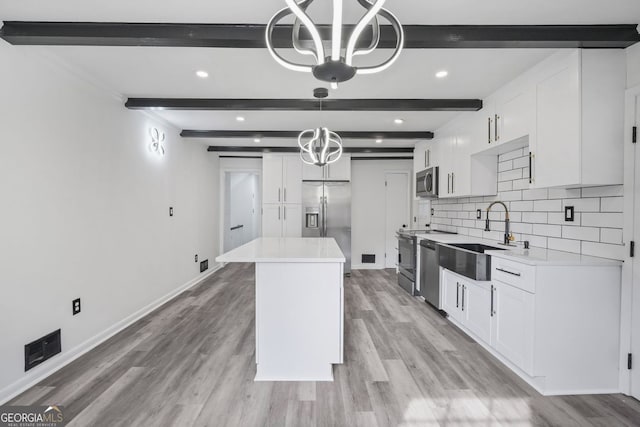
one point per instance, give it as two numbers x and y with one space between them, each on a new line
338 66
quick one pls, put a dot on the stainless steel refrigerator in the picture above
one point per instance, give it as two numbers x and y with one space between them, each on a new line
326 212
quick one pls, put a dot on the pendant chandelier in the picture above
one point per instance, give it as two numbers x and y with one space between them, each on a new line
338 66
320 146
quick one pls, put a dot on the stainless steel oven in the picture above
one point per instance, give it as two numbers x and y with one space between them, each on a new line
407 250
427 183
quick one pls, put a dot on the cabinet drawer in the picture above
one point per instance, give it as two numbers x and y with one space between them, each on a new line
521 276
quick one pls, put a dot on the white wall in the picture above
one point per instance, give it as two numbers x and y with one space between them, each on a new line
85 212
368 207
633 65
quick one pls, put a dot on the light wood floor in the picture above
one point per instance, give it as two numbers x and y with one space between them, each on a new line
192 363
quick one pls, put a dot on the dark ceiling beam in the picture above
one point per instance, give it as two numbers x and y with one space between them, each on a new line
252 35
228 104
260 149
230 134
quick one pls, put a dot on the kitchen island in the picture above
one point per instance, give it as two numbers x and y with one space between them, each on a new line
299 306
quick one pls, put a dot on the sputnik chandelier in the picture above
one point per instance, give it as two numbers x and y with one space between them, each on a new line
338 66
319 146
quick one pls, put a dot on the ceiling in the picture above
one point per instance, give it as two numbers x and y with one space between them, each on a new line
251 73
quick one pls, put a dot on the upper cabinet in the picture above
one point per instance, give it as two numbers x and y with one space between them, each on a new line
281 179
337 171
569 110
578 139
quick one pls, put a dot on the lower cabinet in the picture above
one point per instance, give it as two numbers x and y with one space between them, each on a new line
512 324
556 326
281 220
469 303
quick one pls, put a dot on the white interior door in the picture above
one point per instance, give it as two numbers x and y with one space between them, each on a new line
635 313
397 212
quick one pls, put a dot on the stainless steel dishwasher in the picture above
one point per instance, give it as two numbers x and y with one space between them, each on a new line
430 272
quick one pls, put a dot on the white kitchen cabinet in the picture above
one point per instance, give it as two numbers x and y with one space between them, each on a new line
281 220
281 178
272 182
477 308
514 115
512 323
291 220
272 220
338 171
469 303
292 179
450 287
579 128
555 324
282 194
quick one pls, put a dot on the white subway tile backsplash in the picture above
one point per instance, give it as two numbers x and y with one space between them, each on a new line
603 250
607 219
510 175
521 162
611 235
511 155
505 186
547 205
505 166
535 194
612 204
583 205
581 233
566 245
523 206
547 230
537 215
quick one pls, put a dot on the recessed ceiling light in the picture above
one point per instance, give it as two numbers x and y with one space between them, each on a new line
256 140
202 74
378 141
398 121
442 74
240 119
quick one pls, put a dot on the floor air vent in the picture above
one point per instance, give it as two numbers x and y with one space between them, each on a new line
368 258
42 349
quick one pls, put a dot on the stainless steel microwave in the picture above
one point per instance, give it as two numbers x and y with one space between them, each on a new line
427 183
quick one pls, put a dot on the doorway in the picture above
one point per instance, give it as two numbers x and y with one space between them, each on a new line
396 212
241 209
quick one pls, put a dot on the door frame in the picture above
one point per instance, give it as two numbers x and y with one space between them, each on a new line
221 201
629 231
409 200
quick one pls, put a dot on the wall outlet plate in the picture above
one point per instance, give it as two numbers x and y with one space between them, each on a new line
196 258
170 211
433 211
569 213
76 306
478 214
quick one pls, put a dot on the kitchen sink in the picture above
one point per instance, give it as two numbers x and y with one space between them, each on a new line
476 247
467 259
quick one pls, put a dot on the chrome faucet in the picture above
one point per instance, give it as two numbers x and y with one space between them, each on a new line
508 236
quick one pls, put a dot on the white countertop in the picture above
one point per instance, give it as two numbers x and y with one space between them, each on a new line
532 256
287 249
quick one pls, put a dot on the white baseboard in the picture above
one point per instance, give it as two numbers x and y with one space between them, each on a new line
56 363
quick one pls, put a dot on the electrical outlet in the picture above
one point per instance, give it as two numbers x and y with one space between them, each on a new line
196 257
478 214
170 211
76 306
569 213
433 211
